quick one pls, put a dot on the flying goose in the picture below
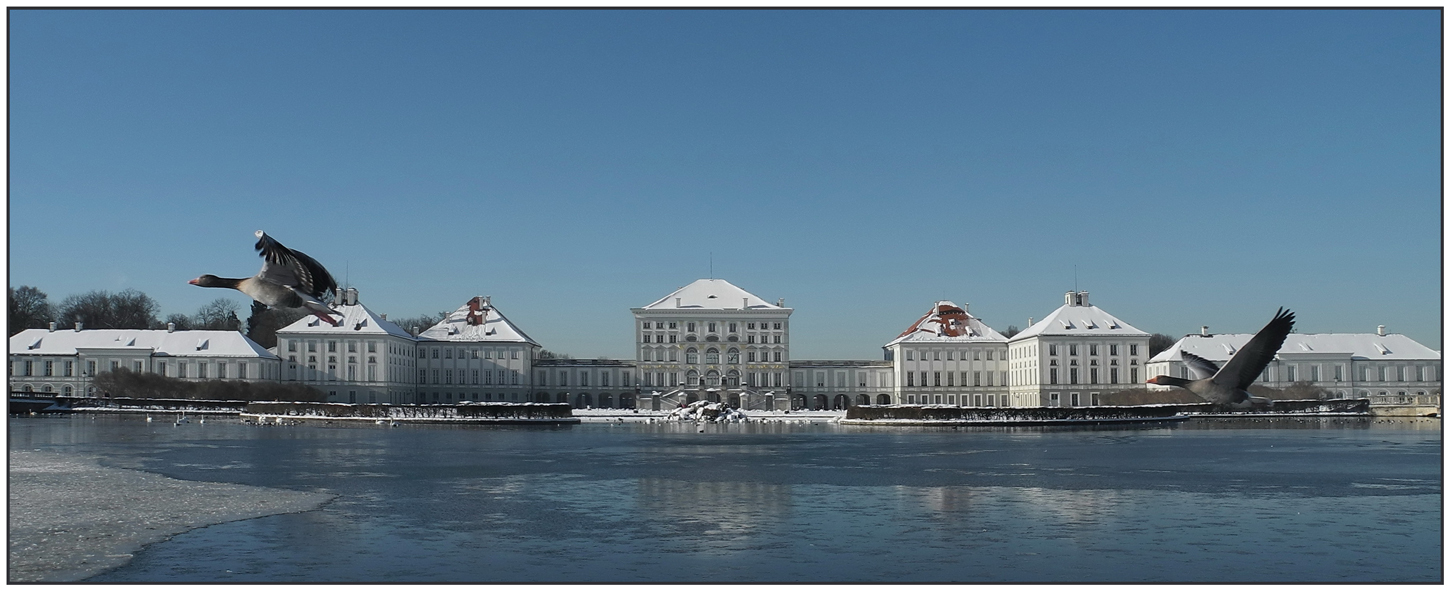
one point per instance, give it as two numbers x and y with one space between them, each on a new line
1229 385
288 279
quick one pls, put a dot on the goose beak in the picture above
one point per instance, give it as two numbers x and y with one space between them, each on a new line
1153 380
193 281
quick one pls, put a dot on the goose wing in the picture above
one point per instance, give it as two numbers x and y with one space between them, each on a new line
1202 368
293 268
1253 357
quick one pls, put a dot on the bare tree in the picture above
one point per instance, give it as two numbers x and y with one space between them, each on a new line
100 309
182 321
220 314
29 308
423 322
1011 331
1158 342
263 323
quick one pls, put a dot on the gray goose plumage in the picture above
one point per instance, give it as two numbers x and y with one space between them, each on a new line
1229 385
288 279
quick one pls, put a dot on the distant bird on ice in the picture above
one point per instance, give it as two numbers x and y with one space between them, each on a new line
1229 385
288 279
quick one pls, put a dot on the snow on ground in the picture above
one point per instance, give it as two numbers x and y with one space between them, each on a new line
71 518
629 415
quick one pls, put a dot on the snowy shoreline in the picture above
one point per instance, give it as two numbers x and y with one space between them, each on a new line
71 518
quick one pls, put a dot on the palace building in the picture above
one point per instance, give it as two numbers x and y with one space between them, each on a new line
711 340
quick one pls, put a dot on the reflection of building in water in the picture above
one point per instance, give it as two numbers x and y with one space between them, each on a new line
945 502
729 507
1072 506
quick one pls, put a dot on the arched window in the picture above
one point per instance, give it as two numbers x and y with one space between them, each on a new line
712 378
692 378
691 356
733 356
732 378
712 356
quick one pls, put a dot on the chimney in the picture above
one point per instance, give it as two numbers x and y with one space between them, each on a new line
964 307
487 301
677 302
52 327
744 303
350 296
415 331
1069 300
79 326
1203 330
383 316
1381 331
1082 299
780 302
1029 321
170 327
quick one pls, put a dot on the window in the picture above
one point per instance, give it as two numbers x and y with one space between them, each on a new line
1132 349
1052 349
936 378
292 346
777 356
749 326
777 339
976 378
1113 375
221 370
1072 349
731 327
950 375
777 326
689 327
515 355
373 347
1092 349
1112 350
712 357
750 356
672 338
160 368
673 326
910 379
989 354
646 325
692 356
1093 375
201 370
710 327
949 355
1074 399
750 339
1052 376
733 356
50 368
1072 375
936 356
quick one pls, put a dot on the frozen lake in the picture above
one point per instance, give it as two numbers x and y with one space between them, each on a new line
1335 500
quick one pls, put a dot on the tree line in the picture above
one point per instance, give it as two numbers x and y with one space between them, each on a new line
31 308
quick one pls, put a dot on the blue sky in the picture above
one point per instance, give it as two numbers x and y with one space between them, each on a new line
1191 167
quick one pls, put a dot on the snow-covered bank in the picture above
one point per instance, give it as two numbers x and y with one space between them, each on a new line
627 415
71 518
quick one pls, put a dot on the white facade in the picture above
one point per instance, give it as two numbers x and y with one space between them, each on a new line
841 384
1385 368
475 354
949 357
63 362
714 341
586 383
364 360
1075 355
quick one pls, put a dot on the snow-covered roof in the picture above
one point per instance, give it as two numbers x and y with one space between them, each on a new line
711 294
475 321
947 322
1078 318
356 319
188 343
1368 346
